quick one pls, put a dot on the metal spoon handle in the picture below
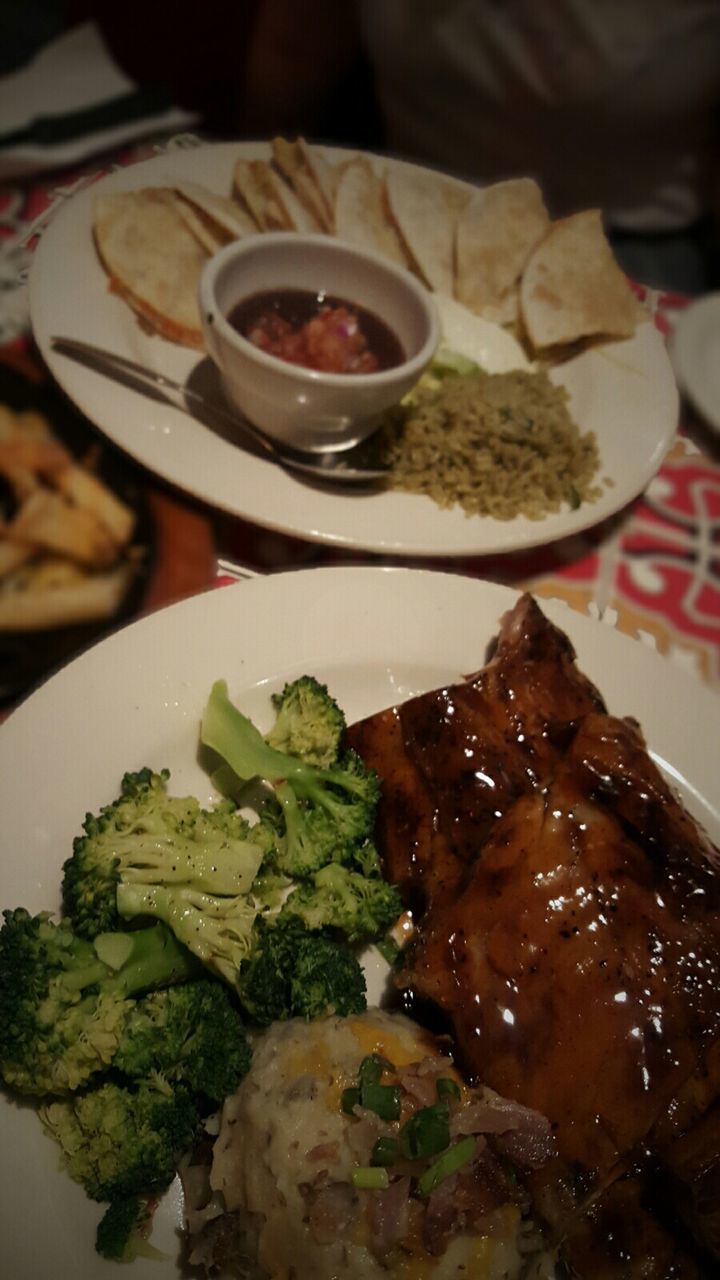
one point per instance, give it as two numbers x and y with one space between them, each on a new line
329 466
148 381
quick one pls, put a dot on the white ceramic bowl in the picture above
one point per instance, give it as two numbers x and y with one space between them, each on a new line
306 407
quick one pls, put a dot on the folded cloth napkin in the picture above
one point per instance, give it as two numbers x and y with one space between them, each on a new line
72 101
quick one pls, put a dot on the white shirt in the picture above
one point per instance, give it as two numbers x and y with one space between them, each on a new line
606 102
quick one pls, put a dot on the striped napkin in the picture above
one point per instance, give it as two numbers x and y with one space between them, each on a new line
71 102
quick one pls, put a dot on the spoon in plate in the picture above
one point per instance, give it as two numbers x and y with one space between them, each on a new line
354 465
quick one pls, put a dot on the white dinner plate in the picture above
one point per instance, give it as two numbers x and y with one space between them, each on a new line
696 356
376 636
623 391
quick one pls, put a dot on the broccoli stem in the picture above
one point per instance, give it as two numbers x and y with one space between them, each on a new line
216 930
153 957
235 738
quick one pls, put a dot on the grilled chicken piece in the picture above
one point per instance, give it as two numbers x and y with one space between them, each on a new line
567 917
454 760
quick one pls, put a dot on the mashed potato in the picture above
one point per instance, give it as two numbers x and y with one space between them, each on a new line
275 1197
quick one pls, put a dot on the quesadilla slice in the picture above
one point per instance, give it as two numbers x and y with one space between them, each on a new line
216 220
572 286
153 260
290 159
495 235
424 214
326 176
362 215
270 199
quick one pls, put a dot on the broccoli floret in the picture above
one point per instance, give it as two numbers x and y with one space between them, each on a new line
309 723
343 899
327 978
149 837
295 973
219 931
64 1001
119 1141
367 860
192 1035
328 812
122 1231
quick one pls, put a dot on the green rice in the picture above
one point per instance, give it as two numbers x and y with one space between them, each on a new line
494 444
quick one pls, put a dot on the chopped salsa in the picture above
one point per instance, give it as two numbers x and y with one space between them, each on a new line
317 331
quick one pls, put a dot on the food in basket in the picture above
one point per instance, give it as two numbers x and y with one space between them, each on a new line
65 539
567 934
353 1148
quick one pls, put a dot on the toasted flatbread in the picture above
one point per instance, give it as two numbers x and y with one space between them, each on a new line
216 220
361 212
253 186
326 175
153 259
572 286
424 214
270 199
290 159
495 235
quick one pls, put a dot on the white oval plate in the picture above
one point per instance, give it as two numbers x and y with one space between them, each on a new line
696 356
376 636
624 391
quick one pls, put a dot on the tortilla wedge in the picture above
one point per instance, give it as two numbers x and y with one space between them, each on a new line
326 176
361 213
215 220
572 286
495 235
425 217
270 199
290 158
153 260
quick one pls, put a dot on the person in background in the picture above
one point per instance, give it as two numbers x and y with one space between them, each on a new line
607 103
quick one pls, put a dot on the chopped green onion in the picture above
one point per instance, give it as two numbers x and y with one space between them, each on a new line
371 1069
371 1179
427 1132
383 1099
447 1088
450 1161
350 1099
385 1152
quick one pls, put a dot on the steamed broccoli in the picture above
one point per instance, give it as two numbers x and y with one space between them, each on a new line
64 1001
219 931
308 724
327 978
119 1141
192 1035
340 898
122 1231
150 837
295 973
328 812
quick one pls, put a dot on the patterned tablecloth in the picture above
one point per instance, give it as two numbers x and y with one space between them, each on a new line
653 570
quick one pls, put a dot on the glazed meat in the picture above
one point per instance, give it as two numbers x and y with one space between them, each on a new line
567 913
454 760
